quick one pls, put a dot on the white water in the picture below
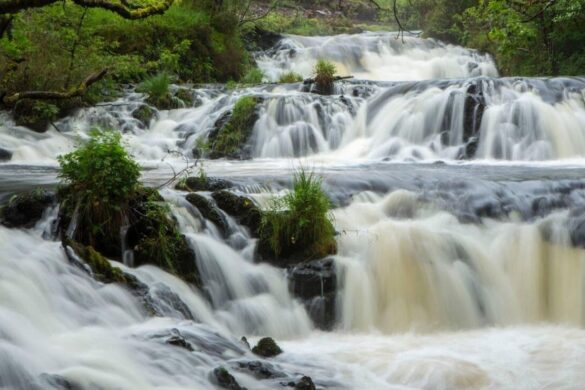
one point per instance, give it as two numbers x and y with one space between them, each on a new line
449 279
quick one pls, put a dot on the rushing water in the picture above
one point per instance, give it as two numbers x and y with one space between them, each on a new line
452 274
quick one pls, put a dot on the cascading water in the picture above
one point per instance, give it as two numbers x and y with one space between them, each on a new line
449 275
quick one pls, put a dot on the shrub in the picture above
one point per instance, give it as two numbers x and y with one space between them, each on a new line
236 131
290 77
299 224
254 76
102 180
324 76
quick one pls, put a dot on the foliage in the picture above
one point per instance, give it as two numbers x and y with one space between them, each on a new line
254 76
290 77
230 138
157 88
324 76
300 221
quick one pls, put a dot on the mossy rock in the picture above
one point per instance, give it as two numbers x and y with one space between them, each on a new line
209 211
203 183
240 207
185 96
231 135
267 348
165 102
34 115
25 210
101 268
224 380
144 114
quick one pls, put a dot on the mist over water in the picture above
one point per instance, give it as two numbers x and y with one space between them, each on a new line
468 273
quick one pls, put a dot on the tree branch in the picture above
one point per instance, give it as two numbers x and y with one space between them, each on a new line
125 11
53 95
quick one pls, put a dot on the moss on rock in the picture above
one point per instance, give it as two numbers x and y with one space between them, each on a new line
35 115
25 210
245 211
144 114
208 211
101 268
267 348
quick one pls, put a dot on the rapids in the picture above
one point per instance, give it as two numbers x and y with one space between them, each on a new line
460 212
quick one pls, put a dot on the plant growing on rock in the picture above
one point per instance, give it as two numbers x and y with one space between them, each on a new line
290 77
157 88
298 227
324 76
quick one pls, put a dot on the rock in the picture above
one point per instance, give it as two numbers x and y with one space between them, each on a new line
474 108
144 114
240 207
186 97
244 341
203 183
315 284
267 348
260 39
306 383
180 342
209 211
222 378
260 370
35 115
101 269
165 102
56 382
5 155
25 210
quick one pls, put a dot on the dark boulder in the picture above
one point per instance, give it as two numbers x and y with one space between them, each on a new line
259 370
315 284
305 383
185 96
25 210
267 348
209 211
5 155
240 207
203 183
224 380
34 115
180 342
260 39
473 111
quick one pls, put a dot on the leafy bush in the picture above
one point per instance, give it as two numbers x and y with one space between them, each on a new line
254 76
231 137
290 77
324 76
299 224
157 89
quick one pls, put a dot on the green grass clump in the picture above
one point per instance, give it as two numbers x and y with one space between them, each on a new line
254 76
290 77
324 75
157 88
231 137
299 224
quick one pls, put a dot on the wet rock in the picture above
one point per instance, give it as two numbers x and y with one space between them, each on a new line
222 378
5 155
260 370
474 108
204 183
208 211
306 383
144 114
244 341
25 210
240 207
315 284
267 348
185 96
101 269
180 342
260 39
34 115
56 382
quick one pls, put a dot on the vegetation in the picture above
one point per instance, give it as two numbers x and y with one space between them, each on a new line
290 77
102 194
324 76
254 76
232 136
298 225
157 89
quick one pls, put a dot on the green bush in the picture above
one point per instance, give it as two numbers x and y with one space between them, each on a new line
254 76
157 89
290 77
101 180
299 224
324 76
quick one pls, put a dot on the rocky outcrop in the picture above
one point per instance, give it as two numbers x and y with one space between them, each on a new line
224 380
25 210
315 284
208 211
241 208
259 39
475 106
144 114
267 348
203 183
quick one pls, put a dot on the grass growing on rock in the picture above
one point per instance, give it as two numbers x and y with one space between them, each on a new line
290 77
298 226
324 76
157 88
